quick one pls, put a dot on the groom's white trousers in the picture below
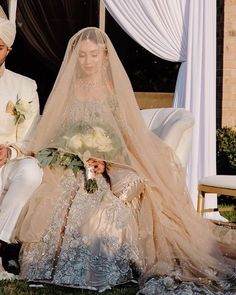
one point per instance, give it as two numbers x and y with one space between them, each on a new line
18 180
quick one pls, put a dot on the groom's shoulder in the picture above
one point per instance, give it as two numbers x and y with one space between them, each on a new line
16 78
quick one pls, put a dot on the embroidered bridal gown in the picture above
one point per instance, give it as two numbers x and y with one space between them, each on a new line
140 223
92 239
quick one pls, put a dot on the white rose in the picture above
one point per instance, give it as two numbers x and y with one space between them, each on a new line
99 131
23 107
103 142
88 140
75 143
105 148
97 140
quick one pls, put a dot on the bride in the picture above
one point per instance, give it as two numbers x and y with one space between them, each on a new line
113 206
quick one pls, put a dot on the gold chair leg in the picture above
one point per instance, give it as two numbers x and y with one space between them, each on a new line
200 202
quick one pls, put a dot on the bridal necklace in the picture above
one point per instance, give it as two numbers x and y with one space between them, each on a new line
89 85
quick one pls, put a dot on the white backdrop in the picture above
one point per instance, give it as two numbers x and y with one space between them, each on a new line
185 31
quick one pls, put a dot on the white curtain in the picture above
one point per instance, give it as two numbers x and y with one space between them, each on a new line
185 31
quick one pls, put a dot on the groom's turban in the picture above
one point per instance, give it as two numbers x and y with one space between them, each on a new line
8 26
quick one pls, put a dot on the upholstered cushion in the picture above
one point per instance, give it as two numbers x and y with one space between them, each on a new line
174 126
224 181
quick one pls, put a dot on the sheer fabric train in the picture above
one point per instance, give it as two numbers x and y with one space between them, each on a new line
165 234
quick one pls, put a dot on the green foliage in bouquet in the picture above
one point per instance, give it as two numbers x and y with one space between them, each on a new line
226 150
53 157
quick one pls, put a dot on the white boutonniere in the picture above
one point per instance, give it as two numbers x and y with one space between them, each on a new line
19 110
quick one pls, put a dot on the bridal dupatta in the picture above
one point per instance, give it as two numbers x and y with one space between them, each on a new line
173 239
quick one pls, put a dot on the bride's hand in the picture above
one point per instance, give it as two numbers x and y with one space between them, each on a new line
98 166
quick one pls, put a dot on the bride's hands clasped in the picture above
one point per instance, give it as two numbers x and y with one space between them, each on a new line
97 165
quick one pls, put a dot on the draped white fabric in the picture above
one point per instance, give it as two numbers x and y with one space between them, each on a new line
185 31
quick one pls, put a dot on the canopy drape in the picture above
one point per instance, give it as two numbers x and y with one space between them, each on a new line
48 25
185 31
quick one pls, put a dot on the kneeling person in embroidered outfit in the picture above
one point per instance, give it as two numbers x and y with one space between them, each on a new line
19 176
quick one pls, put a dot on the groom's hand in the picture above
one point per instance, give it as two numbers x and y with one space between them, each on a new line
5 153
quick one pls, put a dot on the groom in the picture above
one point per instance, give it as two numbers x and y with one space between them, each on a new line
19 176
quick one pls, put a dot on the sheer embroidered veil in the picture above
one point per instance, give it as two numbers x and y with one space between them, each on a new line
93 89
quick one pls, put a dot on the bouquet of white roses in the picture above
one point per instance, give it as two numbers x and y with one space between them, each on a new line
80 143
95 138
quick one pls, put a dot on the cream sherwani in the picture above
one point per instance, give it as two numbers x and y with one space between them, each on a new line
20 176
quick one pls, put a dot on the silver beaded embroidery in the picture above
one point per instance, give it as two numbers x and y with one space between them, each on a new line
106 261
